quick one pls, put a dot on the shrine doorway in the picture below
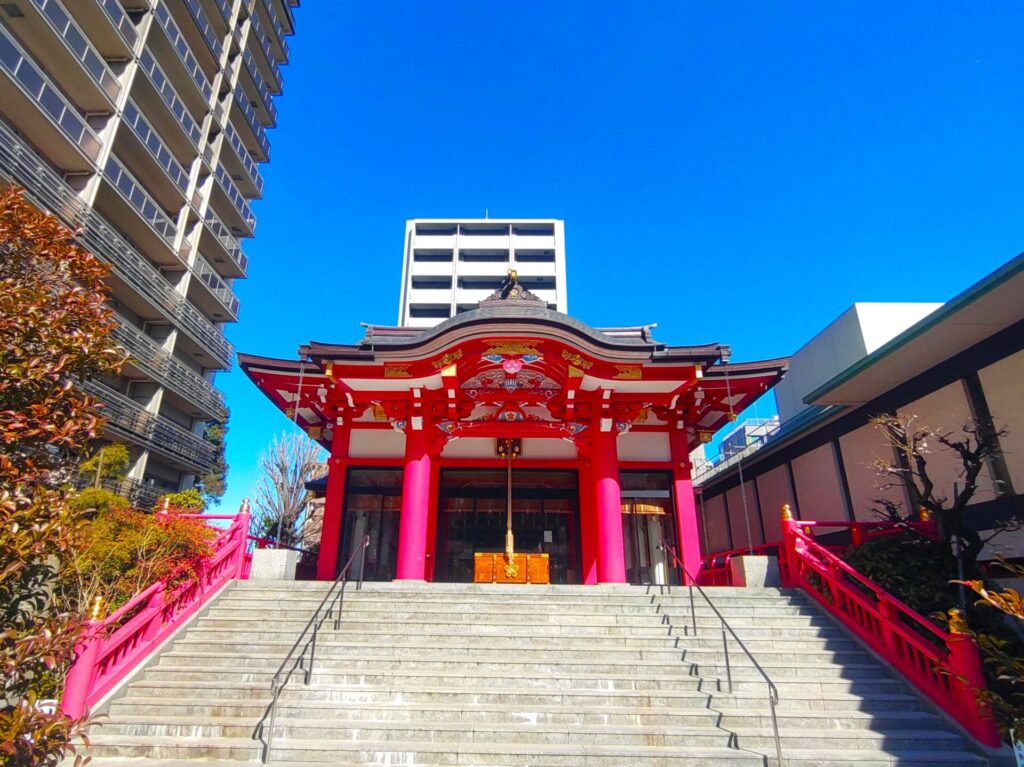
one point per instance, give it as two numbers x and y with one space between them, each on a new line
373 505
648 518
471 518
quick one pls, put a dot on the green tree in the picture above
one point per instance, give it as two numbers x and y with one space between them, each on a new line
54 329
108 462
190 501
214 482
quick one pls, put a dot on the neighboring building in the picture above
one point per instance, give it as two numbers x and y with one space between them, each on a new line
450 265
960 362
143 122
747 433
415 420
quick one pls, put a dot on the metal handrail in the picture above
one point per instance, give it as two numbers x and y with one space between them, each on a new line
773 692
284 671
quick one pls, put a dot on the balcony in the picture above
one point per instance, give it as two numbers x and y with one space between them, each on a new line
483 242
274 25
196 27
222 16
432 268
129 421
257 143
37 109
150 360
265 101
533 242
226 250
126 201
152 161
155 92
267 61
185 61
246 173
107 26
240 215
134 279
211 293
56 41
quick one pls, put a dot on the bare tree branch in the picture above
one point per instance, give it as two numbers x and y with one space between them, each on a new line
288 463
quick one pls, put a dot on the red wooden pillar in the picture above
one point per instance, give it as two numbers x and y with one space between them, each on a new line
330 535
415 520
588 518
604 464
687 526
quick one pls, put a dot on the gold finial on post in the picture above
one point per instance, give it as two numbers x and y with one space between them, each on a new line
924 515
957 622
513 276
96 608
787 513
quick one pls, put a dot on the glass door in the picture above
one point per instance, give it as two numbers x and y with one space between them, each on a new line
373 504
648 518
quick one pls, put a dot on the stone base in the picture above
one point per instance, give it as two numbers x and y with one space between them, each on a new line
755 572
273 565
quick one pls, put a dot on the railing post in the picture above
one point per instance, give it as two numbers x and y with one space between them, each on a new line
787 551
73 702
155 608
965 660
243 521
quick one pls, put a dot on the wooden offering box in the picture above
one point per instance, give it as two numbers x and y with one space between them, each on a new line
489 567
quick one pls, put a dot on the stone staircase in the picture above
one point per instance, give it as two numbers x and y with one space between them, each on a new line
451 674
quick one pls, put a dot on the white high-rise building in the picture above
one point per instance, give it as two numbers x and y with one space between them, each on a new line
450 265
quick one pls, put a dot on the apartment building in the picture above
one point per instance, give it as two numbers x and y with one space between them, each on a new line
144 123
451 265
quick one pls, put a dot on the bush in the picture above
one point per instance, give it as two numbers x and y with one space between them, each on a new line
121 552
914 569
92 500
187 501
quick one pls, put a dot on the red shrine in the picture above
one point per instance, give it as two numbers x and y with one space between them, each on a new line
515 418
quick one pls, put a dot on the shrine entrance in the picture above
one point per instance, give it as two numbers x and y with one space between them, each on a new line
648 518
471 518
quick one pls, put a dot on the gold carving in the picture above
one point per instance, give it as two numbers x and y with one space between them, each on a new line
575 372
787 513
379 414
392 370
705 437
511 348
576 359
447 359
315 432
627 372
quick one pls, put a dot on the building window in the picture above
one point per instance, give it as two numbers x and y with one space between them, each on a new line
480 283
431 311
483 256
535 256
431 283
431 256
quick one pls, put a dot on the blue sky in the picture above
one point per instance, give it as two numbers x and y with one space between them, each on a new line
736 172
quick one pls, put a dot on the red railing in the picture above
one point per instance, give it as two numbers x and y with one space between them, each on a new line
716 569
944 666
113 647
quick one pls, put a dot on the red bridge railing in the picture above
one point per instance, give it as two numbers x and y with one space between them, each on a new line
945 666
113 647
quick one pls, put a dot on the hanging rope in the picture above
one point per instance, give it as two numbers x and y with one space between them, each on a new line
739 464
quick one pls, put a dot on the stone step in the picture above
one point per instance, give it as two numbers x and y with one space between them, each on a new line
528 732
472 753
333 657
535 606
137 707
559 648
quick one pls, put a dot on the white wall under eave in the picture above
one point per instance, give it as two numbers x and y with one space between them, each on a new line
644 446
376 443
539 448
469 447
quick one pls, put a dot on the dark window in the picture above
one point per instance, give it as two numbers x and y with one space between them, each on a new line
429 310
431 283
480 283
537 283
534 230
491 256
435 229
432 256
535 256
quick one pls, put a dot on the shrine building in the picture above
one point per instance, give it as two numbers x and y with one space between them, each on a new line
511 426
